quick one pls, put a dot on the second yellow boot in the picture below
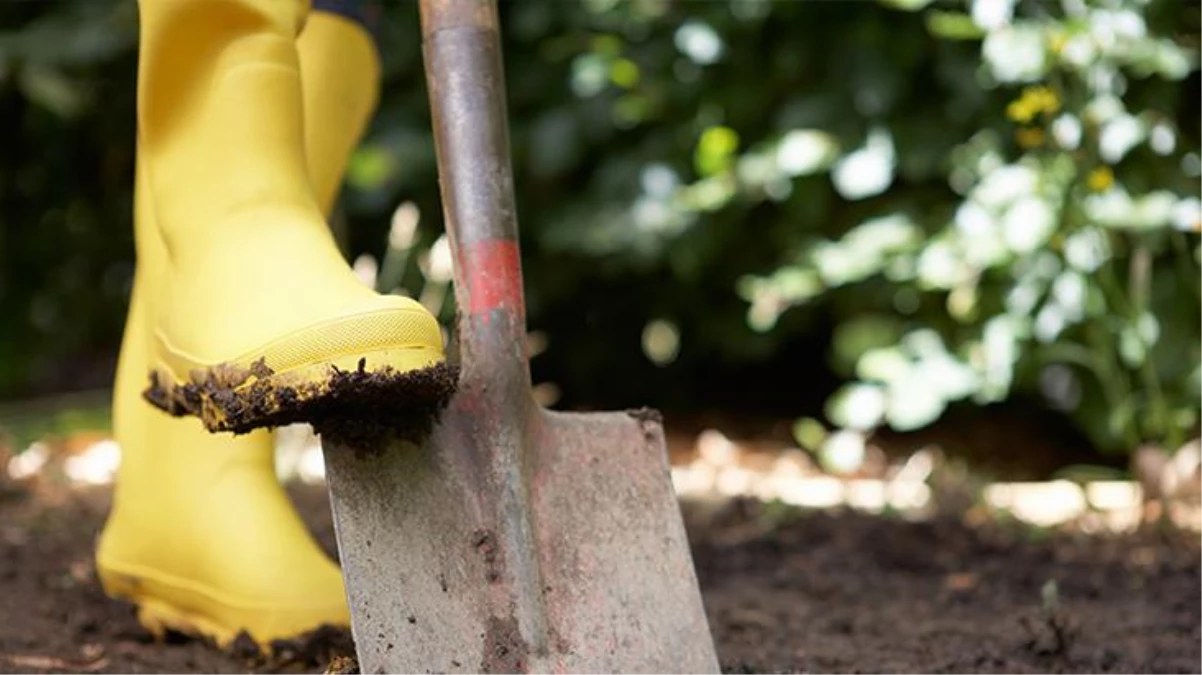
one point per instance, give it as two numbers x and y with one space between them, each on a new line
201 536
263 322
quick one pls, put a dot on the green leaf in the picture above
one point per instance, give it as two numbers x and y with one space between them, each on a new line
370 167
907 5
809 433
49 88
715 150
953 26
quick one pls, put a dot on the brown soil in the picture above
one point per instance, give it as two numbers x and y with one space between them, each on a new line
852 593
345 406
784 593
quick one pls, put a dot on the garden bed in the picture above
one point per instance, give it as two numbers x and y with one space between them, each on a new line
786 591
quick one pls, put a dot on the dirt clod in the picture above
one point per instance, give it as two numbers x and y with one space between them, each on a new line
646 415
1050 634
324 644
485 543
244 648
342 665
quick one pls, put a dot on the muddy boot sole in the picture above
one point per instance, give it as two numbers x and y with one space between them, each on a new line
354 404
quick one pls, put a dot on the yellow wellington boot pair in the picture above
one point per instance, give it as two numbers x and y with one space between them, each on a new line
237 271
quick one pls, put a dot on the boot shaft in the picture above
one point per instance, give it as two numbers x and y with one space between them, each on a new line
220 121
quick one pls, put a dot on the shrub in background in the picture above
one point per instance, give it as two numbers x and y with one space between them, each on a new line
1065 257
978 199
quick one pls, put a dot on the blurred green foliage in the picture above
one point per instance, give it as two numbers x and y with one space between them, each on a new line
66 161
978 199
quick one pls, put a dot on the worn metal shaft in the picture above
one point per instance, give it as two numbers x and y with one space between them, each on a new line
462 50
466 82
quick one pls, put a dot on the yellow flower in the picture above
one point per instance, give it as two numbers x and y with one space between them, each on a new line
1057 42
1100 179
1032 102
1048 100
1019 111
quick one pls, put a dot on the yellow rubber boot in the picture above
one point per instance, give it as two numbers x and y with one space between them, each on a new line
201 536
263 322
340 78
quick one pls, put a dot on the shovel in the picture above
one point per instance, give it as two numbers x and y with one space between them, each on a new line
511 539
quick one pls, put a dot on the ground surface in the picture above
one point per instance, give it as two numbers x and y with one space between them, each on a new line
815 593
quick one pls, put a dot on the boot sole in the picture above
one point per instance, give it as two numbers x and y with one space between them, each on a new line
355 397
149 590
355 378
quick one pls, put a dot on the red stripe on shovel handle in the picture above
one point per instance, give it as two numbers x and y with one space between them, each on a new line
493 271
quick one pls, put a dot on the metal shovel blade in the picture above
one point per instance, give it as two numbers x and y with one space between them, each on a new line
512 539
575 561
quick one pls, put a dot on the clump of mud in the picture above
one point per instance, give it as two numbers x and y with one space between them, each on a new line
354 407
343 665
326 648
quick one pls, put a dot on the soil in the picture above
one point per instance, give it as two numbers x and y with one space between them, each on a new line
345 406
785 592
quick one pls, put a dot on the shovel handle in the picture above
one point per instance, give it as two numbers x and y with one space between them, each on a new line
462 51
